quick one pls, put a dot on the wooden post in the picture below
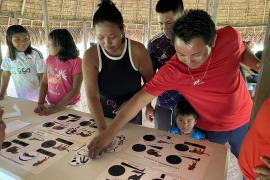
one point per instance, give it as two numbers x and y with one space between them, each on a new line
45 20
206 5
84 35
22 11
215 10
1 58
149 21
1 3
263 85
13 20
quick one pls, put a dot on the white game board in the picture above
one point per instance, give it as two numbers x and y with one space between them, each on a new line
188 160
72 126
35 150
121 169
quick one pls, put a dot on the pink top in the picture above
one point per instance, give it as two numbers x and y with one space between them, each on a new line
60 78
222 99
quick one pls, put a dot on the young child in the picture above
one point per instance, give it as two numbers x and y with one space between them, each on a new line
186 118
2 128
62 81
24 63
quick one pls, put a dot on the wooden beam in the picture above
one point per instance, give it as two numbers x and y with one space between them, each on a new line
263 85
206 5
144 32
228 11
62 6
1 58
122 5
77 7
93 11
84 35
13 19
45 19
136 12
196 4
215 10
264 11
246 15
23 6
149 21
10 14
22 11
1 3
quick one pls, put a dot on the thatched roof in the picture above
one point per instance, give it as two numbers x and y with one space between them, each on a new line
249 16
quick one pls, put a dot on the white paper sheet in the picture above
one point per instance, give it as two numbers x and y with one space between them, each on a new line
13 111
15 125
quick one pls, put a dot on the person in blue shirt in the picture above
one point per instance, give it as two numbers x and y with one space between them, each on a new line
186 119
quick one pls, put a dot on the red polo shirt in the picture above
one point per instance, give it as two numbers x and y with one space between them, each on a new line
222 100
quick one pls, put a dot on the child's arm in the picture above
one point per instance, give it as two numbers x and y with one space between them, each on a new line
42 93
4 83
76 87
40 76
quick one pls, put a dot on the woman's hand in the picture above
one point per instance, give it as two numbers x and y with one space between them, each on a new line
99 144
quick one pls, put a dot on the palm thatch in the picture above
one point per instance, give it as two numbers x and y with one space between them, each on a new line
249 16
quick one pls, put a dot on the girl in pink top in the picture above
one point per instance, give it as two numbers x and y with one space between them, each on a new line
62 81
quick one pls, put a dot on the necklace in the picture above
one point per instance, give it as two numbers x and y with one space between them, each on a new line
200 80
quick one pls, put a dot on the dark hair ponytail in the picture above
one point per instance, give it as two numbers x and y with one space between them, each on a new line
107 11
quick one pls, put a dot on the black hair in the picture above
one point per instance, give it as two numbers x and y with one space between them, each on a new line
258 54
63 39
10 32
192 24
176 6
107 11
183 108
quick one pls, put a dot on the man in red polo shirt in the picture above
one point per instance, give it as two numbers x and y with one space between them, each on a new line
205 70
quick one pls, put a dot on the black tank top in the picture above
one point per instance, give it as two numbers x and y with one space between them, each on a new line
118 78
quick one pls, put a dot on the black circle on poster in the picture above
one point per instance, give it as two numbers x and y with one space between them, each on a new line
149 137
181 147
48 144
116 170
62 117
85 123
48 124
173 159
138 147
6 144
24 135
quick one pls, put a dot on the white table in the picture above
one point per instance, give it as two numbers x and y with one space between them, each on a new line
217 169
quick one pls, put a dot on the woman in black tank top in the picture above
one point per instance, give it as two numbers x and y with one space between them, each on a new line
113 68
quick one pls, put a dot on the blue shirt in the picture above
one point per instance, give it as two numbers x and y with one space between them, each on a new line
195 134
